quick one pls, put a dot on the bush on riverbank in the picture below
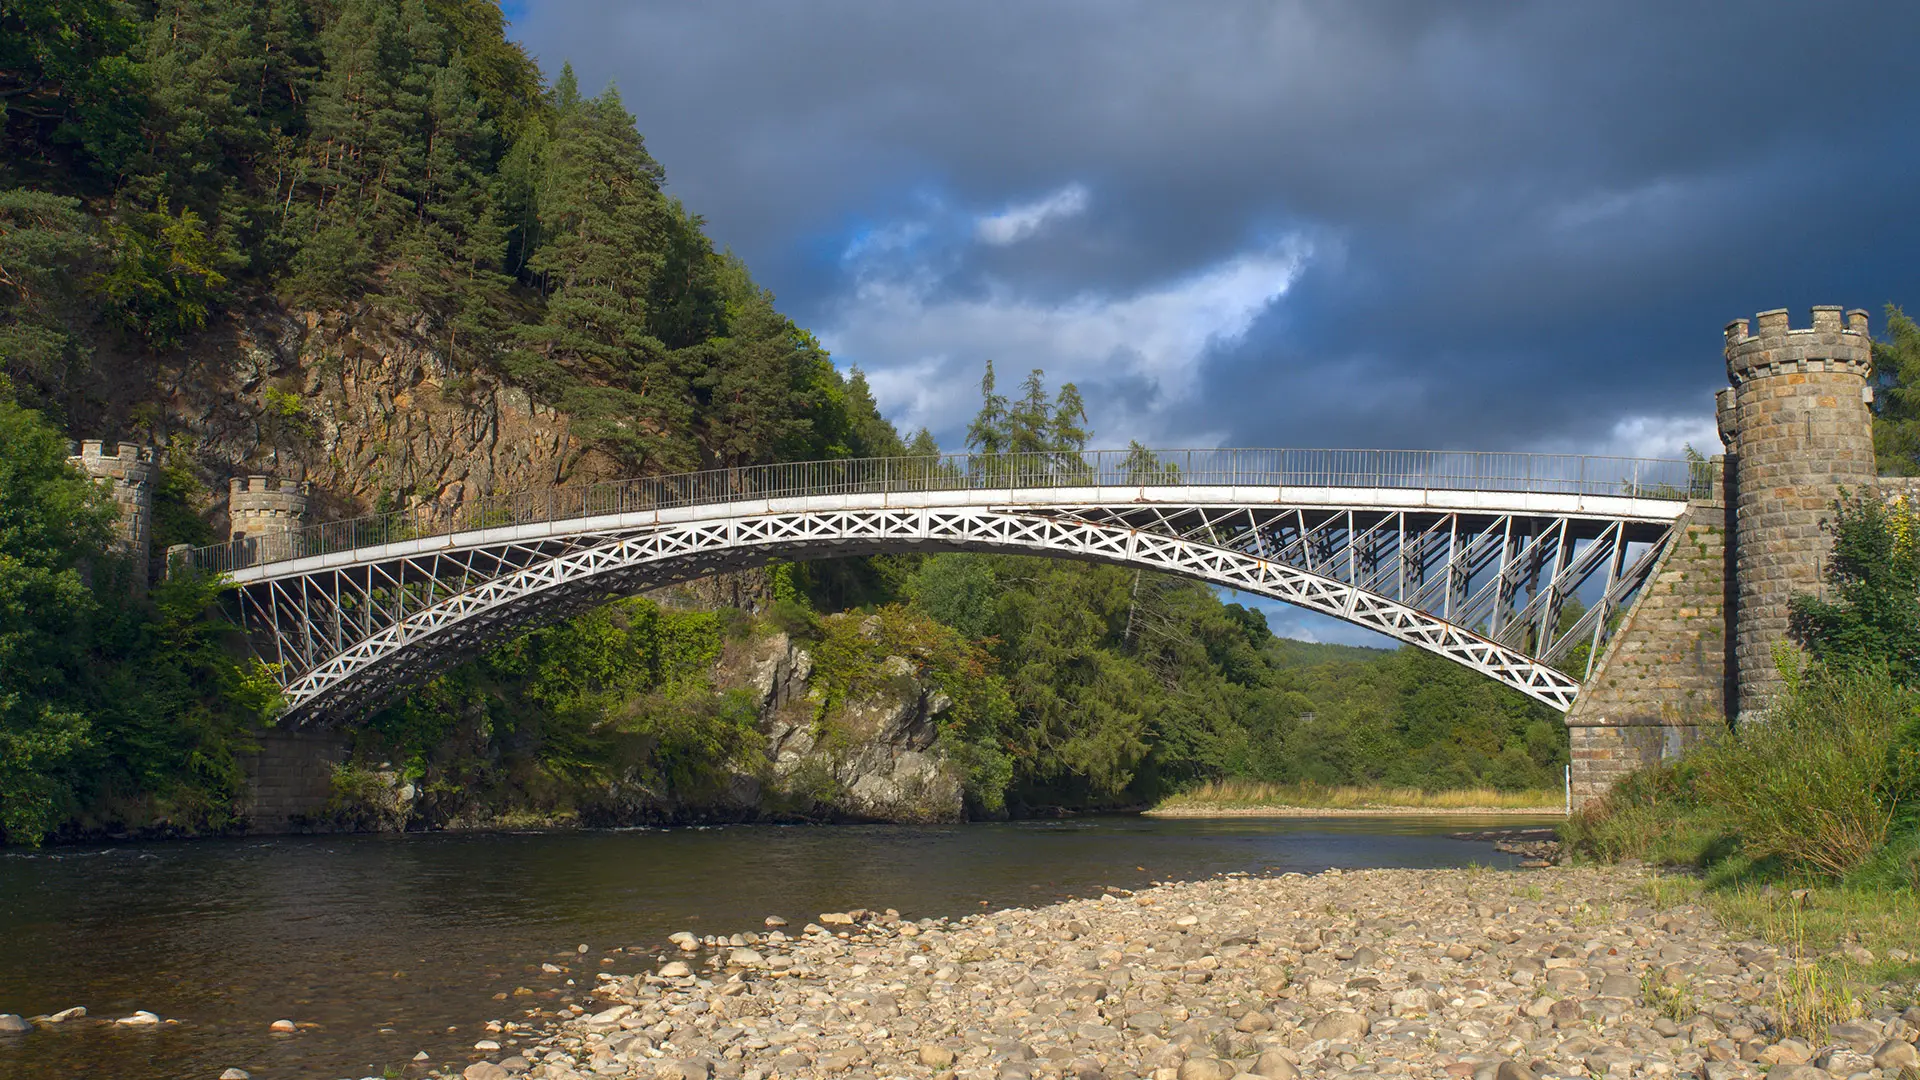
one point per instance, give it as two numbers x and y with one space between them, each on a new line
1825 788
1799 829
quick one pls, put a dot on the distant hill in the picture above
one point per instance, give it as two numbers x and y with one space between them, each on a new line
1289 653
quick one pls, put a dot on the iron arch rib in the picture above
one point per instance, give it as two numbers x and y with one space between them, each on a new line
343 637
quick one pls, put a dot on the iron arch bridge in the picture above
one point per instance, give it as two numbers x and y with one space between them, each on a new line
1472 556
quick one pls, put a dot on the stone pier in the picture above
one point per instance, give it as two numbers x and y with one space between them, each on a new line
290 779
1663 680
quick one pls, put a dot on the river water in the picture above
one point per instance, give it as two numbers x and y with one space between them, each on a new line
389 945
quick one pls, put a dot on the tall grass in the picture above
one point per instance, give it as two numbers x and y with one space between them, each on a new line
1824 787
1819 783
1248 794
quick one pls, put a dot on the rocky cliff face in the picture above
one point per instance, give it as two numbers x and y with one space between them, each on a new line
367 408
376 414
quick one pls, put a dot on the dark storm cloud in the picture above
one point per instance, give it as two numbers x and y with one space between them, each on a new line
1485 225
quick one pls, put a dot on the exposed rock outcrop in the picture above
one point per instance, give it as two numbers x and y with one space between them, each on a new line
368 408
874 758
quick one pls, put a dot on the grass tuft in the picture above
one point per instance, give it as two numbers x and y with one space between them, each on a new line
1671 998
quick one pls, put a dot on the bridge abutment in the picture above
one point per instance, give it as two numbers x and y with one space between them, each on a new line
1697 648
1662 682
290 777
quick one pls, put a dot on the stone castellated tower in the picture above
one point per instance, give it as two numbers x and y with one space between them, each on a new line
129 469
1798 430
262 513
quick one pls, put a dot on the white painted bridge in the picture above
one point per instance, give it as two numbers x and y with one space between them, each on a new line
1472 556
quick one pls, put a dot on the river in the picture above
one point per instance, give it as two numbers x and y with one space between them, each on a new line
390 945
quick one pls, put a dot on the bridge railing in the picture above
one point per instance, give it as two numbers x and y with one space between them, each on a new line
1440 470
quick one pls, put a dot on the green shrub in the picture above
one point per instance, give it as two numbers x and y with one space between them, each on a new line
1653 814
1826 784
1819 782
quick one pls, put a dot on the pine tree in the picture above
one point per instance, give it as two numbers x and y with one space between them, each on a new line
988 433
1068 432
365 147
1896 408
872 435
69 93
448 258
689 302
519 188
603 222
207 126
923 445
755 379
1030 420
501 74
48 248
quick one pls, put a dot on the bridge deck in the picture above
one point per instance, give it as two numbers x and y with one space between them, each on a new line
1661 512
1651 490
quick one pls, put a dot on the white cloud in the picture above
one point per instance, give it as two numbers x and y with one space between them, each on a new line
886 240
1645 204
1661 436
923 349
1021 220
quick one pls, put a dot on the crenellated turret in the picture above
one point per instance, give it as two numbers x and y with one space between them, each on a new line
263 513
129 470
1798 431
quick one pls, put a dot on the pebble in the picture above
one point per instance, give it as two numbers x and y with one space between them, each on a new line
1895 1055
1379 974
11 1022
236 1074
140 1018
484 1070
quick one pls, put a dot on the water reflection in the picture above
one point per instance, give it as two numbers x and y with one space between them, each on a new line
417 933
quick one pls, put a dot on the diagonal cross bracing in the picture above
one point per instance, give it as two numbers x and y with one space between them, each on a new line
1473 586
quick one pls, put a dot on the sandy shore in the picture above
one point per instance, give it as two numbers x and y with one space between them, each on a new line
1348 811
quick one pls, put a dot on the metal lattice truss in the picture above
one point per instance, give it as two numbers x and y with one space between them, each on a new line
1494 591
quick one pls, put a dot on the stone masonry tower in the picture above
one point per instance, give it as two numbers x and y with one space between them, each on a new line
129 469
263 512
1798 430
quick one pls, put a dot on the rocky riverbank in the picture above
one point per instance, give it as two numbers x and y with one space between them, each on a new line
1192 810
1567 972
